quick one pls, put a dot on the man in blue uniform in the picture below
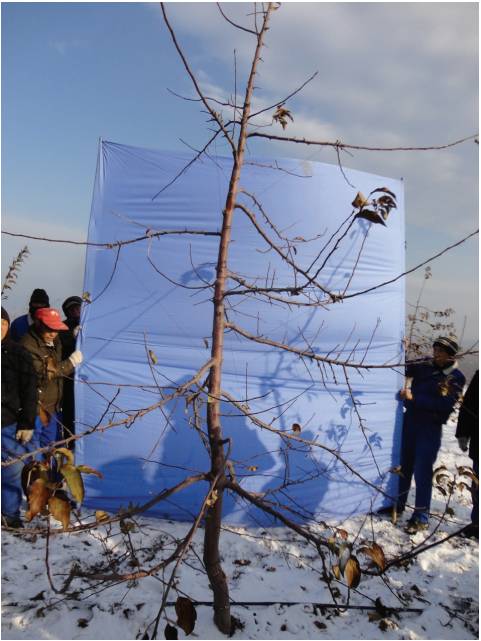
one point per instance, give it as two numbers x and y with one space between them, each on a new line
431 392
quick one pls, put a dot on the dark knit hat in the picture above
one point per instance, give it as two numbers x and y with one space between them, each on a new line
70 302
5 315
449 345
40 296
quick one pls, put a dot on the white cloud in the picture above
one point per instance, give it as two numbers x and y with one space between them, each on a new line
62 46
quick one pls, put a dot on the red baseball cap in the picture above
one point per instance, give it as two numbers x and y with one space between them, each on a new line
51 318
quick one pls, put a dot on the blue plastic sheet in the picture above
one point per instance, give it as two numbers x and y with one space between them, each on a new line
149 302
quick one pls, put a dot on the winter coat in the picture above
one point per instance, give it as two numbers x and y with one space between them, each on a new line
435 392
19 386
20 327
468 421
50 370
67 337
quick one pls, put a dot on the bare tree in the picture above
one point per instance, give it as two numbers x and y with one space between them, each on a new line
205 389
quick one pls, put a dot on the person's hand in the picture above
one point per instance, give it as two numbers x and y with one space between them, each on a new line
24 436
76 357
463 443
405 394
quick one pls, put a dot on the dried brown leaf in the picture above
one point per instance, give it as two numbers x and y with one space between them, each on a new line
186 614
376 554
371 216
60 510
359 201
352 572
38 495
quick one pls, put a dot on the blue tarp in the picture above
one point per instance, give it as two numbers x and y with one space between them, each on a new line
151 296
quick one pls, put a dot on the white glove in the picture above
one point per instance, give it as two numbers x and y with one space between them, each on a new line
24 436
76 357
463 443
76 331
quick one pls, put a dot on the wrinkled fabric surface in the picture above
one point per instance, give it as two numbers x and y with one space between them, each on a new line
148 323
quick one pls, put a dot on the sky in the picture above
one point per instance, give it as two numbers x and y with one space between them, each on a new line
389 74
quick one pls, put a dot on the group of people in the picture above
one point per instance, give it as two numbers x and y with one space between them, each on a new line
38 361
39 357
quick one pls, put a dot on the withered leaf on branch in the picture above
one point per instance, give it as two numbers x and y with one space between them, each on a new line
352 572
68 454
296 427
170 632
38 495
440 478
376 553
359 201
74 481
441 467
466 471
86 469
371 216
281 115
60 510
31 472
100 515
153 357
384 190
186 614
337 572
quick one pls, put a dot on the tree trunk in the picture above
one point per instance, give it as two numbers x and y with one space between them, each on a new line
214 570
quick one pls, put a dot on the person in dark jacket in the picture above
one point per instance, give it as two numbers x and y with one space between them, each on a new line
43 344
467 433
71 308
431 392
19 408
20 325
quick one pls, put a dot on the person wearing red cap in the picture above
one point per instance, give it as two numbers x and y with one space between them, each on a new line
43 344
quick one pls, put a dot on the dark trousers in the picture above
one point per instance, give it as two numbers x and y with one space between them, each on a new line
475 494
419 449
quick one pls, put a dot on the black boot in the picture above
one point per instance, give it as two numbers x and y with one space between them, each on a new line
12 522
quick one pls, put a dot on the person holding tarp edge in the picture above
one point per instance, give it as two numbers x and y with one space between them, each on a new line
71 308
430 394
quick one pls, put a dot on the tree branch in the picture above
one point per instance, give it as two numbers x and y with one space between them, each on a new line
340 145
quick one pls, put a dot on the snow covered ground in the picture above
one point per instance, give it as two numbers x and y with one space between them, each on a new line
262 565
